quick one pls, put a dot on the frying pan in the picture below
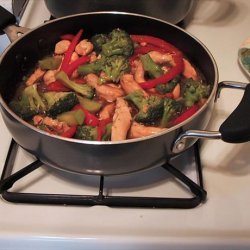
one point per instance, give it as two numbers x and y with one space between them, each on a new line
121 157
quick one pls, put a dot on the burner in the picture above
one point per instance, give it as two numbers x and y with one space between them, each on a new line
8 179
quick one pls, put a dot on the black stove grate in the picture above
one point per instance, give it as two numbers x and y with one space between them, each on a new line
8 179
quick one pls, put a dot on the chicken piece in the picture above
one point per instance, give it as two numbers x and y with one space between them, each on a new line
161 58
84 47
74 57
129 84
189 71
121 120
35 76
107 111
138 71
92 57
109 92
61 47
54 124
49 77
138 130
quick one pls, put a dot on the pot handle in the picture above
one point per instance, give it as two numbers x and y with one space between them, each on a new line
8 25
235 129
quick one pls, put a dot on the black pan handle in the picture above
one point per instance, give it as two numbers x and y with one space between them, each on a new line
236 128
6 19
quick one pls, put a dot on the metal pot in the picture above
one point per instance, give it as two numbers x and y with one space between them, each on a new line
172 11
109 158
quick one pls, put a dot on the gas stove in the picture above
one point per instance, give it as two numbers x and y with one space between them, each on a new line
221 221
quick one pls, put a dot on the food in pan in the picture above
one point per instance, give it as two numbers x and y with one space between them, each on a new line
110 87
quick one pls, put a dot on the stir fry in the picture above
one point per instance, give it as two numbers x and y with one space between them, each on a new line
110 87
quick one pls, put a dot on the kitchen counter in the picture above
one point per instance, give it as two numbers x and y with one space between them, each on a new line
222 222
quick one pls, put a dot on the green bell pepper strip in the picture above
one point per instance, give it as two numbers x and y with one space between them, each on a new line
90 119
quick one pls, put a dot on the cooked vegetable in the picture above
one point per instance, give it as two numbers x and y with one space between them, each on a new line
22 108
57 86
69 52
113 86
119 43
90 105
170 110
90 119
94 67
166 47
74 117
35 100
29 103
169 86
59 102
98 40
82 89
86 133
50 63
186 114
107 134
153 69
150 108
193 91
114 67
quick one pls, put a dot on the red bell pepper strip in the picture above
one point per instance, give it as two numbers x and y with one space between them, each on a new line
102 127
174 71
69 133
145 49
185 115
75 64
80 81
90 119
168 47
69 52
68 37
57 86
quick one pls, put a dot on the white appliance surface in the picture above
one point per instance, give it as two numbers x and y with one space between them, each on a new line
222 222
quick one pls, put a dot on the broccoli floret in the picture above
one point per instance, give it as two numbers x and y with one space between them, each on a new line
59 102
193 91
153 69
86 133
170 109
35 101
107 134
50 63
119 43
98 40
150 108
22 108
83 89
94 67
115 66
168 87
29 103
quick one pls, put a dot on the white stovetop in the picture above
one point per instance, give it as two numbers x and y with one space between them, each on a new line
223 222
